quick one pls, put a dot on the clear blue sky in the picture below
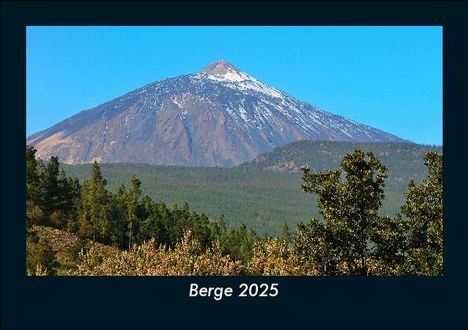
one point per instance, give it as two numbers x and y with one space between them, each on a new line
386 77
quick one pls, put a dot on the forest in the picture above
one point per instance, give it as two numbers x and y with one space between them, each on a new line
264 193
125 232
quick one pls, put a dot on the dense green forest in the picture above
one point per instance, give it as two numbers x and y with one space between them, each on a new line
252 197
265 193
403 160
350 237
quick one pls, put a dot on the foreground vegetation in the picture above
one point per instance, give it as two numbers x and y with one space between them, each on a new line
351 238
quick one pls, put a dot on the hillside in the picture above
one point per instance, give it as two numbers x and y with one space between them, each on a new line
257 193
403 160
67 246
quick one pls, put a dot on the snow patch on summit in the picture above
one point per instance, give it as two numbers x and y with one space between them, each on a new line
230 75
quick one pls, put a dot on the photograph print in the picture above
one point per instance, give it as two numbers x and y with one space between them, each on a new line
236 150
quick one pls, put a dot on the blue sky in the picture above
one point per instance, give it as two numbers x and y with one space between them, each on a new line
386 77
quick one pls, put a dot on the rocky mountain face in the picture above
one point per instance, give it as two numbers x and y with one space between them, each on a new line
219 116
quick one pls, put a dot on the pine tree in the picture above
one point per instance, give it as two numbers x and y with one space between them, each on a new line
40 253
52 193
390 247
285 236
95 213
218 229
118 235
34 193
133 207
424 210
71 189
85 229
349 209
32 174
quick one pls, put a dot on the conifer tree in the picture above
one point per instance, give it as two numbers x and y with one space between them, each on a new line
390 247
218 228
119 229
71 192
32 173
349 209
34 195
95 215
51 194
40 253
285 233
133 207
424 210
152 225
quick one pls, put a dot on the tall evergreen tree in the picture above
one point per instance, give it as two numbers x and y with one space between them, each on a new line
52 193
133 208
285 233
424 210
349 209
39 252
34 193
118 231
218 228
71 190
390 248
95 217
32 173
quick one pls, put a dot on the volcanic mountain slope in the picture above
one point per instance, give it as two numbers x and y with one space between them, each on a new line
219 116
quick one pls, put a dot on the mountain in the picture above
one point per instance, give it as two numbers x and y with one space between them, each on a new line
219 116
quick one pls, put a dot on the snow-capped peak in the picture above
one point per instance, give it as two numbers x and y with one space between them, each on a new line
224 71
232 77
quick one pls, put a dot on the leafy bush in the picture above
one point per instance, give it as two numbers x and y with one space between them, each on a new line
186 258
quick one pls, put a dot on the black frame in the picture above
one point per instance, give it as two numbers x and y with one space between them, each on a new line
163 302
